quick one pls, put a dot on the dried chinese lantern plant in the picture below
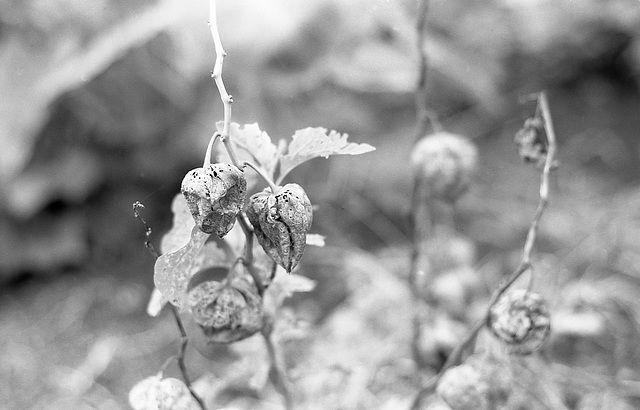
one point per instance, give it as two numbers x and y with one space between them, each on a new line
468 375
227 261
519 319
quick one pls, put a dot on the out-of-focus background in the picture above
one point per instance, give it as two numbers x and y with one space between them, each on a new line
107 102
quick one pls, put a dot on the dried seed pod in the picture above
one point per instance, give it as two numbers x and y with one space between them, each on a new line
226 311
532 142
281 221
461 387
446 163
482 382
156 393
215 195
521 320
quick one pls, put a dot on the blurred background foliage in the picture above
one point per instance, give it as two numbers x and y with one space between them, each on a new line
108 102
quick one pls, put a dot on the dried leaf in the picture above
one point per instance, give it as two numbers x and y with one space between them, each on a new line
180 232
311 143
174 270
284 286
250 139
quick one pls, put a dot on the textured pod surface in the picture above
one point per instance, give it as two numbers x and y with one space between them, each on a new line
482 382
446 163
281 221
462 388
155 393
215 195
521 320
532 143
226 311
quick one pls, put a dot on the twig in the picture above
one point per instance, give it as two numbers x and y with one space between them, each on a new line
422 205
227 99
184 340
277 372
424 115
421 225
525 263
147 242
207 155
263 175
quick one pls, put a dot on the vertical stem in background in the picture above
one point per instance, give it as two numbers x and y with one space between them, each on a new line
421 207
277 373
423 113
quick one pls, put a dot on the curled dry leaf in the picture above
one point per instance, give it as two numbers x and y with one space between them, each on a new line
174 270
227 311
521 320
281 221
215 195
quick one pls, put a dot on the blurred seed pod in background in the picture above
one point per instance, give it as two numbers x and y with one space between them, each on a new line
481 383
532 141
446 163
521 320
156 393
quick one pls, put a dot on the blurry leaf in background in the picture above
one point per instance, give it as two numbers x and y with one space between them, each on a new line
43 55
71 176
43 244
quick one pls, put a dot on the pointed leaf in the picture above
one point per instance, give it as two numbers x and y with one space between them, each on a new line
315 239
283 286
251 140
311 143
174 270
180 232
156 303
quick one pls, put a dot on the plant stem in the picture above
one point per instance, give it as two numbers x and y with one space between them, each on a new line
421 224
277 372
422 206
525 262
269 181
147 229
184 340
207 155
227 99
424 115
